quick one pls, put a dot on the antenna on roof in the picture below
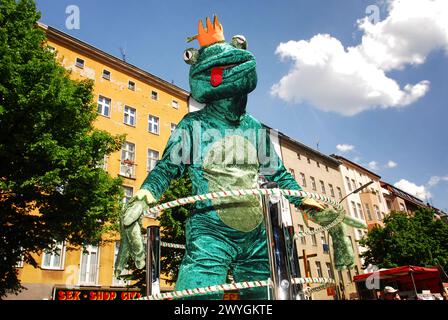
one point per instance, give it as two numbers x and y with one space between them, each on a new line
317 144
123 53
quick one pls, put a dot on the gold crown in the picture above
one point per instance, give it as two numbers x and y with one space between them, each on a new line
211 34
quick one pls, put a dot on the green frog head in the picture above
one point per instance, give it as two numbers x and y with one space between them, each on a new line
220 70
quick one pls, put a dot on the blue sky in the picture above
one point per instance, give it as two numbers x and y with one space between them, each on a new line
411 134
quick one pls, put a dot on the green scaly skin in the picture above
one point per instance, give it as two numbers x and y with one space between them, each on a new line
225 233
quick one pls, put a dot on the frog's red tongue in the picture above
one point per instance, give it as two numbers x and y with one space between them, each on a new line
216 76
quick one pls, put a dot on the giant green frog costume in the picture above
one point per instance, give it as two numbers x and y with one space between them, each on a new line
222 148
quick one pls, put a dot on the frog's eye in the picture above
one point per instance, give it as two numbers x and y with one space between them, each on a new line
239 42
191 55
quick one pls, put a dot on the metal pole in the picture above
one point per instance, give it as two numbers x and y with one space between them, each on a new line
278 255
413 282
294 262
152 260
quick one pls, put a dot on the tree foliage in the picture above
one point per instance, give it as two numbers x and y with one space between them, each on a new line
52 186
172 223
417 240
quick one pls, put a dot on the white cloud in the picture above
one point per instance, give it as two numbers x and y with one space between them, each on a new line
351 80
418 191
345 147
435 180
373 165
391 164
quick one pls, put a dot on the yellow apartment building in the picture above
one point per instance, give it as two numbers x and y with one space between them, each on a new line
316 172
130 101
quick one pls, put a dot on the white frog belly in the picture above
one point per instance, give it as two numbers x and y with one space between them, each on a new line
232 163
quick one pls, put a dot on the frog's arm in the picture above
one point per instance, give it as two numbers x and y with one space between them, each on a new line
273 169
176 156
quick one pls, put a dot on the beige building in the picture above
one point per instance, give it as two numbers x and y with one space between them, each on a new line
316 172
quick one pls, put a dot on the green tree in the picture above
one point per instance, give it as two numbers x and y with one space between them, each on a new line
172 223
52 186
417 240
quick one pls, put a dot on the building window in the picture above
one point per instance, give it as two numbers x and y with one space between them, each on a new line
353 184
313 237
154 95
308 160
131 85
89 265
104 106
369 214
377 211
129 115
355 212
79 63
339 192
326 168
102 164
153 157
302 239
127 160
128 194
360 234
351 243
348 184
302 176
106 74
115 281
298 156
356 270
291 171
319 269
308 271
322 238
341 278
361 216
322 186
349 275
313 183
379 196
53 258
175 104
389 205
173 127
329 271
19 263
153 124
318 164
105 162
331 189
402 207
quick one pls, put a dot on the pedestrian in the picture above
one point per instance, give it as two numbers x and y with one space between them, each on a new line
391 293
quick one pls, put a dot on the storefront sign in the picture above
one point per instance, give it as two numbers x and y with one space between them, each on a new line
100 294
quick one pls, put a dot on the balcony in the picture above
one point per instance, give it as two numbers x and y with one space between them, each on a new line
127 169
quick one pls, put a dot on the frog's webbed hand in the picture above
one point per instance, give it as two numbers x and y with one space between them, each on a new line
131 244
343 250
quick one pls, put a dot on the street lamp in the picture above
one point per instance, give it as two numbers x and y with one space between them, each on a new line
357 190
327 235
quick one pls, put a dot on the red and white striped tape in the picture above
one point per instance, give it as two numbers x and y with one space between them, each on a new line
245 192
230 286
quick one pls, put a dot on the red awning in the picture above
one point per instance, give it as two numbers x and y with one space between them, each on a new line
397 272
